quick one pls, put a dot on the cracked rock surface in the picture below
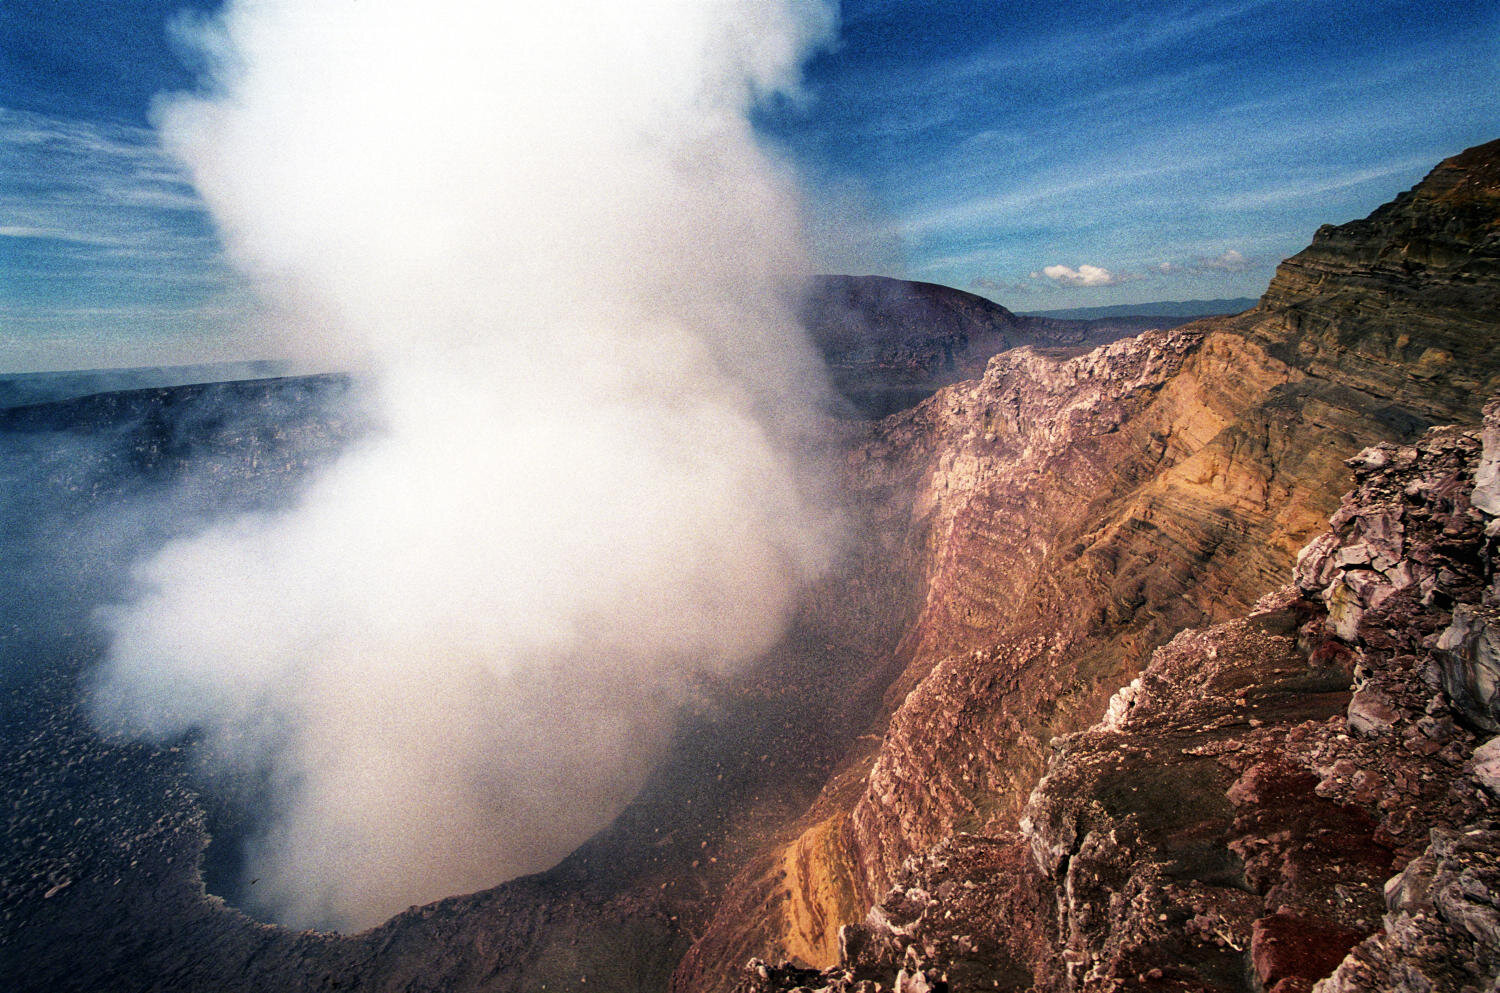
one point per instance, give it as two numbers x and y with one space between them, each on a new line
1301 798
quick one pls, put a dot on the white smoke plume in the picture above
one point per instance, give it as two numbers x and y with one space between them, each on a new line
550 231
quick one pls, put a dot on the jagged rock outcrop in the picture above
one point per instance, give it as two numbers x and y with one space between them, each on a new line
1394 304
1058 545
1289 800
1068 515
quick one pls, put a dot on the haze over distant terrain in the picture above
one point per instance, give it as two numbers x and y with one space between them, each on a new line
1157 308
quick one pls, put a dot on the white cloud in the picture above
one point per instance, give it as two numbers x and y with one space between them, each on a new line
1085 275
1001 286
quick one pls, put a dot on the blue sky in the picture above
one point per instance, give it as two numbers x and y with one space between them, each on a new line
1047 155
1179 150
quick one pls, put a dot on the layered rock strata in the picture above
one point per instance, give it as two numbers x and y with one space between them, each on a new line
1394 304
1062 529
1303 797
1027 541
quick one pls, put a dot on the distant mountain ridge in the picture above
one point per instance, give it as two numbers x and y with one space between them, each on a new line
891 343
20 389
1160 308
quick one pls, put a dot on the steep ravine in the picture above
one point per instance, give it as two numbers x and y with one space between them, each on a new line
1071 514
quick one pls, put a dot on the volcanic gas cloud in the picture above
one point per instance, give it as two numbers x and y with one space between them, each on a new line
550 231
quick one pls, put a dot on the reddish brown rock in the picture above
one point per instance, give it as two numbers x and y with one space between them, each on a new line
1070 514
924 762
1289 949
1222 822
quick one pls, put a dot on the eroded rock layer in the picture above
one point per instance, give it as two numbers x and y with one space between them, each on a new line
1070 514
1305 796
1400 305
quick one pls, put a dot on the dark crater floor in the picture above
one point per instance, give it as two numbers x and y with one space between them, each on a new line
120 863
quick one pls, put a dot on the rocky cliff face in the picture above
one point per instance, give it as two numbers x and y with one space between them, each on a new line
1071 514
1306 795
1400 305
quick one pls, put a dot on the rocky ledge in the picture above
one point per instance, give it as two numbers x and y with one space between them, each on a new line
1301 798
1400 304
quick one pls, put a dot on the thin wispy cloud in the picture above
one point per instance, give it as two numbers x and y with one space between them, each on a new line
1096 42
986 285
1066 191
984 142
53 234
104 239
94 183
1230 261
1006 138
1313 189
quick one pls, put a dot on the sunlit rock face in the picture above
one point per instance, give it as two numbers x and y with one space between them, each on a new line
1066 523
1303 795
1401 305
